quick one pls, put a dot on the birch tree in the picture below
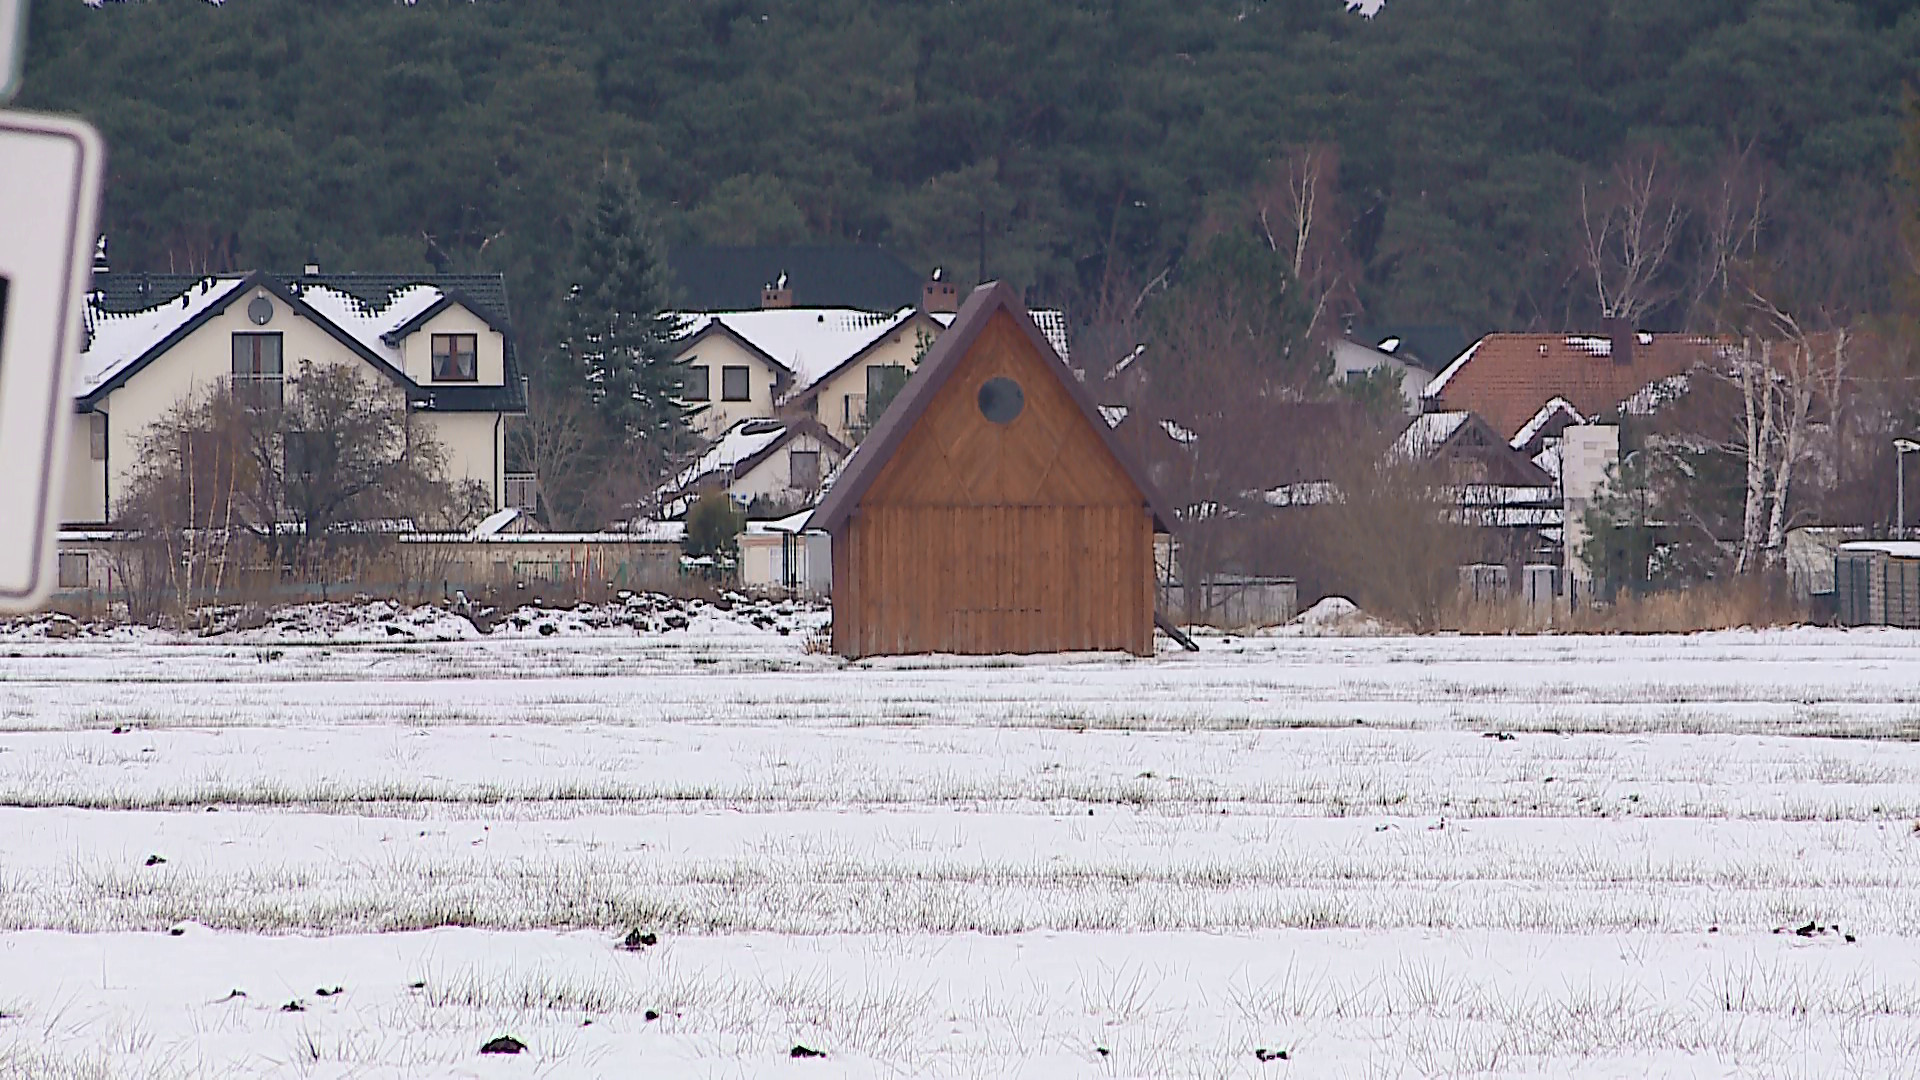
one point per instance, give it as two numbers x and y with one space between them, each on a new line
1630 229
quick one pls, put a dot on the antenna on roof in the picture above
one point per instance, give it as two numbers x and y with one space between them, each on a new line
100 255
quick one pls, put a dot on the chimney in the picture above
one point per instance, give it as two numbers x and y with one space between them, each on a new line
1620 334
312 269
777 295
939 296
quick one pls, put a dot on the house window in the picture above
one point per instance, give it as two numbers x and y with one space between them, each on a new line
454 358
97 436
803 469
73 570
733 384
884 382
697 389
258 377
298 454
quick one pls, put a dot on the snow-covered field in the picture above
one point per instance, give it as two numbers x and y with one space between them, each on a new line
321 847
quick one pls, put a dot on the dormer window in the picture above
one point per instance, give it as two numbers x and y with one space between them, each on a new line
455 358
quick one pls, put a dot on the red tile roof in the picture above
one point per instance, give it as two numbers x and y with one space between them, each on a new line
1506 378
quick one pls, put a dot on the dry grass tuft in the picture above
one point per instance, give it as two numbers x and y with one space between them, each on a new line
1712 606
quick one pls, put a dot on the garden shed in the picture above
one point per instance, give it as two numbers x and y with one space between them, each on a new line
990 510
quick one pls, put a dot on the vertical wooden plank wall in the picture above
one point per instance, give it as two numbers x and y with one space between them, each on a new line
984 538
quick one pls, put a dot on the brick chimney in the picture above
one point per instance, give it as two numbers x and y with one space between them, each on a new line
777 295
1620 334
939 296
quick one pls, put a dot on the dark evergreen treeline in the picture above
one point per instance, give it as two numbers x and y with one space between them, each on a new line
1089 136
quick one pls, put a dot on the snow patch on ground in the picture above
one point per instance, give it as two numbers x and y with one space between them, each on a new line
372 621
259 854
1334 616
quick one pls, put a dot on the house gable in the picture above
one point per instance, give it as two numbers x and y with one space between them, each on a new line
933 446
449 316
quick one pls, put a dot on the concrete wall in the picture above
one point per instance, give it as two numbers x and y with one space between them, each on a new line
719 351
1586 452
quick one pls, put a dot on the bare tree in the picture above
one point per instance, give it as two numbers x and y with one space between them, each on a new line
556 441
1398 539
1630 226
1730 209
244 471
1300 216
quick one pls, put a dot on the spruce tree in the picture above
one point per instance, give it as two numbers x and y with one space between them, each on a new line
617 340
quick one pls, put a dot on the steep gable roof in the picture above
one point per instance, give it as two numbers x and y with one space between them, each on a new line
806 342
1506 378
738 451
1466 437
867 462
812 388
134 318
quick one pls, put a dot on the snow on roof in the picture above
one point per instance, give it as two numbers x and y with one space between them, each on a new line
1549 461
1053 325
1439 382
369 325
738 443
809 341
1650 398
1308 493
1426 433
1390 345
493 523
1178 434
792 523
1114 415
1899 549
117 339
1547 412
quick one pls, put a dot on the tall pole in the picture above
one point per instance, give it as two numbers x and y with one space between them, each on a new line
1900 501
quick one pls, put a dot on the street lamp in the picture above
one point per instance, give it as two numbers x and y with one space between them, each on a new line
1902 447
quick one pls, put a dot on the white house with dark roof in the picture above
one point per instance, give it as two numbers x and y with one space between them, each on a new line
152 340
837 366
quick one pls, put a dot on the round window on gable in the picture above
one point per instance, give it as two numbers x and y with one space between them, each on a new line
1001 399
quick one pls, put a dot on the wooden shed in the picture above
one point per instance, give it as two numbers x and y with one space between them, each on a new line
991 510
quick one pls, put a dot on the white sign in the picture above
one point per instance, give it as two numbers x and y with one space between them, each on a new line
49 202
13 46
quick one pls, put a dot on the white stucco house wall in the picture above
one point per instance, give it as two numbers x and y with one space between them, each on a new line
1412 354
785 557
153 340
